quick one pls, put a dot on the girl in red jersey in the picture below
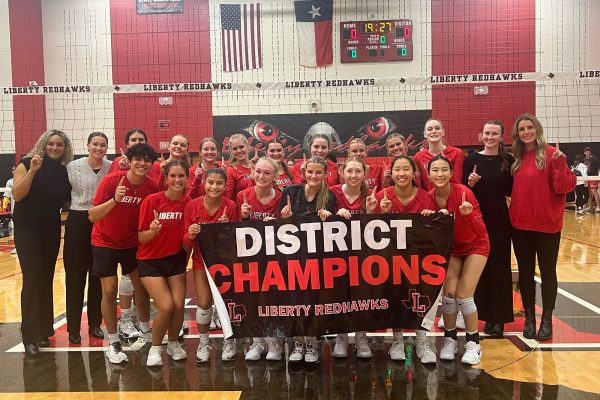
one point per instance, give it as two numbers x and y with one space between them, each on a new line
208 157
283 177
468 256
162 259
261 203
406 197
239 172
209 208
178 150
115 214
541 181
434 134
374 173
352 198
311 198
319 145
121 163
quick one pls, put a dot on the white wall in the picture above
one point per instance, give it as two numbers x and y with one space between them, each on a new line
567 39
77 50
7 123
281 63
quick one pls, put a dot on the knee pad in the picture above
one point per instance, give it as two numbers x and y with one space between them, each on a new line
466 306
203 317
449 305
125 286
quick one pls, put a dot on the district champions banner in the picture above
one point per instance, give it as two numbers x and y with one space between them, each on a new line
301 276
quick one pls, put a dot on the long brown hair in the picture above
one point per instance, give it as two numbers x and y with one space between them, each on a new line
518 147
323 193
364 189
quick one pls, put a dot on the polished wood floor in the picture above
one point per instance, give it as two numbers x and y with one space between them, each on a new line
513 367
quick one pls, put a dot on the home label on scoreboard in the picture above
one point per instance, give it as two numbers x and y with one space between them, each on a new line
373 41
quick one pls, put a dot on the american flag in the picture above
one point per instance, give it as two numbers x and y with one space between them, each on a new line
240 29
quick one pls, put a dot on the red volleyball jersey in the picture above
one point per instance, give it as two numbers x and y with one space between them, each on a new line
259 210
283 180
454 154
341 201
470 234
118 229
238 179
421 201
196 213
169 239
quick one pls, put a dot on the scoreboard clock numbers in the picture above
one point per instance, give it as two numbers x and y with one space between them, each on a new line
376 41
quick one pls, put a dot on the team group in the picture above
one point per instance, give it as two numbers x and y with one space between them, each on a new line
146 214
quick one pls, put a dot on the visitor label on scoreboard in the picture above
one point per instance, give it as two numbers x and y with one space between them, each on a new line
371 41
159 6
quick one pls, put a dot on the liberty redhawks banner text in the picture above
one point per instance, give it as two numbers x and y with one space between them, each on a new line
301 276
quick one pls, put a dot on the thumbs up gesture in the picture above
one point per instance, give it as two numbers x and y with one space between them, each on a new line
557 153
224 218
371 202
385 204
473 177
465 208
123 161
120 191
155 225
246 208
286 211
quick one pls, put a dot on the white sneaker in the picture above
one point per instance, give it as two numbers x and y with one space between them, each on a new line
154 357
13 251
472 353
274 350
142 340
127 329
396 352
256 351
449 349
362 346
114 353
460 322
175 351
298 352
203 353
428 355
228 351
311 355
340 350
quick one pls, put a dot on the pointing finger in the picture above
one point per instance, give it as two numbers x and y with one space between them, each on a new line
225 212
385 194
121 181
122 152
557 145
289 202
245 199
374 191
464 196
155 214
475 169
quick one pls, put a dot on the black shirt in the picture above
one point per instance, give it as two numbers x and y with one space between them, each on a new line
49 191
301 206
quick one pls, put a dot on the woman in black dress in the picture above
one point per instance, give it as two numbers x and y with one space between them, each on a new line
41 188
487 173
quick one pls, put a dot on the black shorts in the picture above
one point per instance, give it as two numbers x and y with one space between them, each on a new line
163 267
107 259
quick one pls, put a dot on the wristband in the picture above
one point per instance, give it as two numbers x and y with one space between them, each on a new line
115 199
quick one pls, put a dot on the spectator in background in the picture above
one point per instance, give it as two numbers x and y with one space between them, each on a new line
579 169
592 165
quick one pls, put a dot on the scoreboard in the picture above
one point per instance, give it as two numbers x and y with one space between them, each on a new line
372 41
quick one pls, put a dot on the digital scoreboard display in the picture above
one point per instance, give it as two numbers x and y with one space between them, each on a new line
373 41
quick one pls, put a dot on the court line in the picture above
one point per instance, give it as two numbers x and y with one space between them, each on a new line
574 298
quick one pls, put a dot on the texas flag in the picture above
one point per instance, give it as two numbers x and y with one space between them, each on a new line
314 21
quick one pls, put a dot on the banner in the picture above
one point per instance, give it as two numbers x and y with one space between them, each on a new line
159 6
301 276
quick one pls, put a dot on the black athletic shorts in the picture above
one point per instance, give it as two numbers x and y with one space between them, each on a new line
163 267
107 259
